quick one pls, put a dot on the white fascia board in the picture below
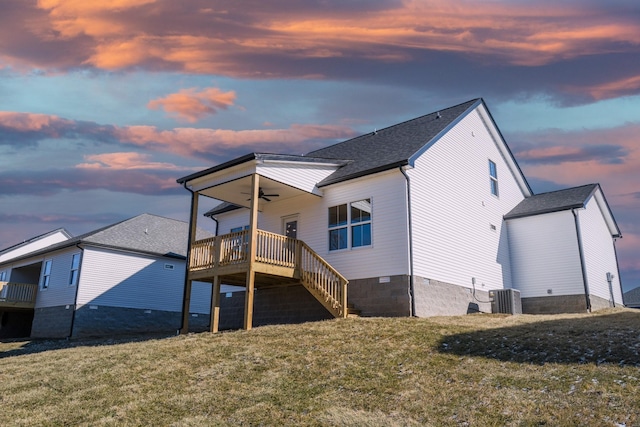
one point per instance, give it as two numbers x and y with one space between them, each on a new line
227 175
606 212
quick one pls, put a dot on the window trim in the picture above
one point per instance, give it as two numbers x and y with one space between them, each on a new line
493 178
350 226
73 278
45 277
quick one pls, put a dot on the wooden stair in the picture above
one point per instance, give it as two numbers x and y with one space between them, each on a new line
323 281
352 311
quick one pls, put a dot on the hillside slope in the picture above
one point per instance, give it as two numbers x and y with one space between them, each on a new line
473 370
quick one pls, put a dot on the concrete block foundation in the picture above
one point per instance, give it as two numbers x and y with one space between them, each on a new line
52 322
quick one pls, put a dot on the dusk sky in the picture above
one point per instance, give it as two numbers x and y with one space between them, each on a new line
105 103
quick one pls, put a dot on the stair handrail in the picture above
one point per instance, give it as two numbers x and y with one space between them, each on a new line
323 280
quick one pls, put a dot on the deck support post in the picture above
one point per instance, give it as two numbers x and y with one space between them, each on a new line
251 255
186 298
345 309
215 305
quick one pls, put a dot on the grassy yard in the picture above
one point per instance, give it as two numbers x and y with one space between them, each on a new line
477 370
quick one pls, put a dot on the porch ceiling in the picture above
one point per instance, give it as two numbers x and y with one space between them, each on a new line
238 191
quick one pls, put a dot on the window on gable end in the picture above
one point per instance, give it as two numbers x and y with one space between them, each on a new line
46 274
493 177
75 269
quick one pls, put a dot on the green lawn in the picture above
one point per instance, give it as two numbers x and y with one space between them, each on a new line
477 370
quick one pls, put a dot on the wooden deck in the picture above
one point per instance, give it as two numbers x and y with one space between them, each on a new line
18 295
279 260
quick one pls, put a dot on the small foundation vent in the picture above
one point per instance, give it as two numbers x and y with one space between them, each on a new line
506 301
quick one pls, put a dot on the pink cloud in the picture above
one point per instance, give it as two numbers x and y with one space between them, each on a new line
124 161
227 38
191 142
190 105
609 156
610 89
26 122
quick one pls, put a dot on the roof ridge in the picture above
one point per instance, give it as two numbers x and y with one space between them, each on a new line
396 125
568 188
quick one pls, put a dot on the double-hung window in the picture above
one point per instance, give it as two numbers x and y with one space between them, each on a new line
3 276
350 225
46 274
493 177
75 269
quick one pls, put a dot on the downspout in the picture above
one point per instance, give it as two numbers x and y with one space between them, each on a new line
216 229
615 253
186 272
582 263
410 231
75 298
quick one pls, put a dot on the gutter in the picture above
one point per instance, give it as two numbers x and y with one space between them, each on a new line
582 263
75 298
186 272
410 231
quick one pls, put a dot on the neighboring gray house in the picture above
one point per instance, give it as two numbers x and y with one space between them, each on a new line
427 217
124 278
632 298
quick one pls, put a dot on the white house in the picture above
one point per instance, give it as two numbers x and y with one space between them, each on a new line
125 278
412 216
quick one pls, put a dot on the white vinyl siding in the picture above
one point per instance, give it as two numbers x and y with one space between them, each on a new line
458 230
544 255
599 253
120 279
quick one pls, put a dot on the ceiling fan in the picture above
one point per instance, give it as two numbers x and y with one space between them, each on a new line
263 196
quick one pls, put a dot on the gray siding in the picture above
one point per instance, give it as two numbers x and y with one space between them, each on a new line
59 291
119 279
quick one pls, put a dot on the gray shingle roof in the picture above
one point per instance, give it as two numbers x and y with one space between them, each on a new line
390 147
632 297
146 233
553 201
221 208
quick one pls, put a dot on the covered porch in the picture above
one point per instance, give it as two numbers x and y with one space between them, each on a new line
256 258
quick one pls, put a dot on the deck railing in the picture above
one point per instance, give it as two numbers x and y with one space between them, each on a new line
23 294
323 281
317 275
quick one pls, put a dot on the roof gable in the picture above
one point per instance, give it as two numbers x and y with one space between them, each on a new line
553 201
145 233
566 199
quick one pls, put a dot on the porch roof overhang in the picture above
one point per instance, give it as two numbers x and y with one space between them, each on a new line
285 175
